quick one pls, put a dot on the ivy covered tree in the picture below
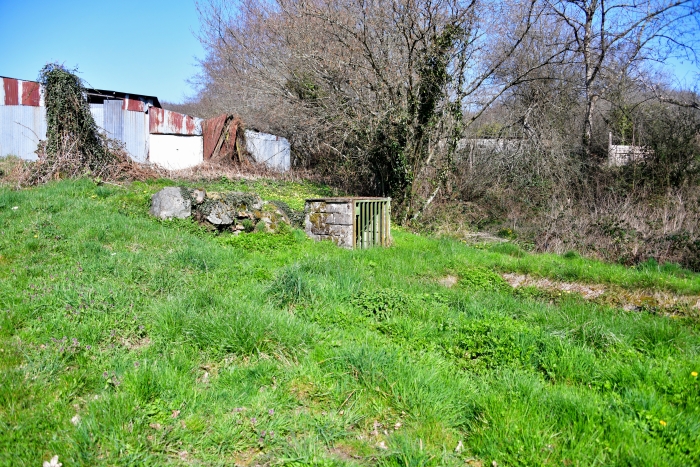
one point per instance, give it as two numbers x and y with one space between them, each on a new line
74 145
371 91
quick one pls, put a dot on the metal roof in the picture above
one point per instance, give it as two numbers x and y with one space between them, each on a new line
97 96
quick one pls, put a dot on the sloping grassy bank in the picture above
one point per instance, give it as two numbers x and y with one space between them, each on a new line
125 340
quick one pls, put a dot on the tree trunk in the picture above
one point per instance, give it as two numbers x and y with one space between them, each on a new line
590 75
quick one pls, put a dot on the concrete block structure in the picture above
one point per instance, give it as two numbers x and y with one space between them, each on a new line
349 222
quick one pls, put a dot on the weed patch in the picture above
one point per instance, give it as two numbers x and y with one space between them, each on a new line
382 304
480 278
264 241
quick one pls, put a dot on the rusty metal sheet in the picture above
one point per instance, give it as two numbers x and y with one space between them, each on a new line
167 122
133 104
31 93
211 132
18 92
220 136
11 88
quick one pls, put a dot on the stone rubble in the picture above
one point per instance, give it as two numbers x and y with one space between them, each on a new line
234 211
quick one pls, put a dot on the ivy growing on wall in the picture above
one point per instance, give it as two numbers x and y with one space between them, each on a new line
74 145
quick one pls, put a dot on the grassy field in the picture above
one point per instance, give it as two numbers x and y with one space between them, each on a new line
125 340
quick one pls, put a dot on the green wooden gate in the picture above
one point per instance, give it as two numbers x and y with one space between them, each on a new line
372 222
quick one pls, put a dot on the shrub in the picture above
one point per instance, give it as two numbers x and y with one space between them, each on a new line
381 304
482 278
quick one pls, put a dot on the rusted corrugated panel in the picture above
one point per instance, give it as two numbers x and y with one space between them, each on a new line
11 88
133 104
21 128
211 132
30 93
17 92
220 136
167 122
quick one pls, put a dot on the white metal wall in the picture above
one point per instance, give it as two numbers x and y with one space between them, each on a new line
128 126
271 150
135 134
21 128
175 152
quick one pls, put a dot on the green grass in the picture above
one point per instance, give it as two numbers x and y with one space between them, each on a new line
173 345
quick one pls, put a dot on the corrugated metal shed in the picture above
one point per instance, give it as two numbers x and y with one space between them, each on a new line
21 128
129 118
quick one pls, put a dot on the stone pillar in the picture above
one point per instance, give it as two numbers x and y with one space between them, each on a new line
330 219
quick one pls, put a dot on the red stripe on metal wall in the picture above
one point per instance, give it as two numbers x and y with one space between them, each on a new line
175 121
133 105
11 91
189 125
161 121
155 117
30 93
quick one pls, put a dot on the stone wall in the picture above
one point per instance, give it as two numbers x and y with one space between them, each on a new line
234 211
330 219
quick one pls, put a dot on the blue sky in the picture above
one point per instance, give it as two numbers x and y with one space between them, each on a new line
144 47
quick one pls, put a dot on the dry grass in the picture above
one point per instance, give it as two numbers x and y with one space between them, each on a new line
209 171
70 162
11 168
626 227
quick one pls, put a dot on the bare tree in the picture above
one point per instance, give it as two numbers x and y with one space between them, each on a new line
378 88
614 36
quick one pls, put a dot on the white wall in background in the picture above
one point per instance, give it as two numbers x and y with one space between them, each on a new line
174 152
270 150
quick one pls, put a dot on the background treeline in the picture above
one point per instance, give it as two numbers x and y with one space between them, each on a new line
489 114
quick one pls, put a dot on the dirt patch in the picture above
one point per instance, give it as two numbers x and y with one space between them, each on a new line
482 237
344 452
612 295
448 281
135 343
587 291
